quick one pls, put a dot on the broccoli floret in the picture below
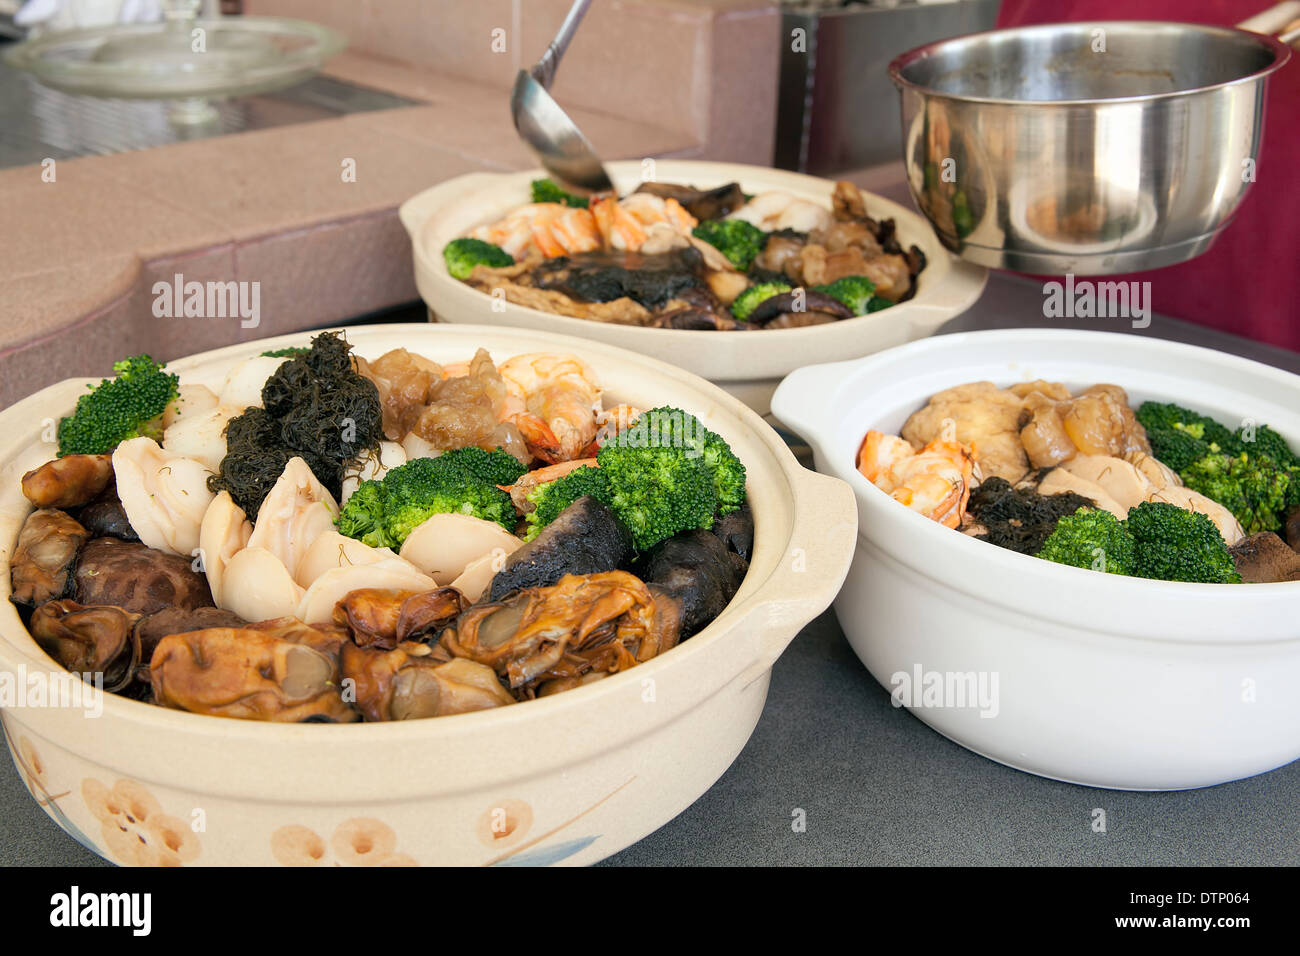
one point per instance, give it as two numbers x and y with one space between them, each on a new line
496 467
752 297
1255 488
362 516
876 303
681 429
1176 545
1179 435
1265 441
120 408
554 496
292 351
738 240
856 292
1091 538
545 190
410 493
657 488
462 255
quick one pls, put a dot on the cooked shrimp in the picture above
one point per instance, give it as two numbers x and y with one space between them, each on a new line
550 228
520 490
553 400
642 219
936 481
780 210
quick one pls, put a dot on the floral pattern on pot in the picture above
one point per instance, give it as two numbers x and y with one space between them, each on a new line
360 841
134 828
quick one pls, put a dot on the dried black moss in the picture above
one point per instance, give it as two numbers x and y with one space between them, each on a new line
315 407
1020 519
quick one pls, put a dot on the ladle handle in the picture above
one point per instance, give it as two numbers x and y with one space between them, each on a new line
544 71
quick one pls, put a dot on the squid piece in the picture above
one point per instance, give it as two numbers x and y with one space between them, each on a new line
164 495
695 569
385 617
586 538
281 671
409 682
68 482
47 548
89 640
597 622
136 578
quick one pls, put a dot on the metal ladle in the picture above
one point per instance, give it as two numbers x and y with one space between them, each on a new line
564 152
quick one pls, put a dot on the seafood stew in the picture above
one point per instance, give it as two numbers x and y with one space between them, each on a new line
677 257
322 538
1083 479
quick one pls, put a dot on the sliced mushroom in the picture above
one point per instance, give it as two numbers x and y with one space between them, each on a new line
89 640
106 518
700 203
136 578
47 547
280 671
696 320
798 301
68 482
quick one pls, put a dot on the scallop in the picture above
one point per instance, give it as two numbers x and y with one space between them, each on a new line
477 577
317 604
190 401
332 550
258 587
201 435
243 385
164 496
223 534
371 467
1119 479
296 511
444 545
417 447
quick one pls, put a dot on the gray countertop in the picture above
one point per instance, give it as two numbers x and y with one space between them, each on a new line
879 787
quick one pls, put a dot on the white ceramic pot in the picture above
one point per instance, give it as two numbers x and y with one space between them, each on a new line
748 365
1103 680
570 778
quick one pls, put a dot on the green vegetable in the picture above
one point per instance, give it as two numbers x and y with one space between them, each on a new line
1176 545
553 497
681 429
738 240
1091 538
545 190
1265 441
876 303
120 408
752 297
1255 488
856 292
383 516
659 486
496 467
290 352
363 515
1179 436
462 255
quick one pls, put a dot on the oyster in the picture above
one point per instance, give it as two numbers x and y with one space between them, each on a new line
415 680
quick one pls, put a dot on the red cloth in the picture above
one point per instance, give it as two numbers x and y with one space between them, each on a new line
1249 281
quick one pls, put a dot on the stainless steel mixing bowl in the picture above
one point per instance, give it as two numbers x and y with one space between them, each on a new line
1084 148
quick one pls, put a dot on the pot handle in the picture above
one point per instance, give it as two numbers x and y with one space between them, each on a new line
805 401
811 571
